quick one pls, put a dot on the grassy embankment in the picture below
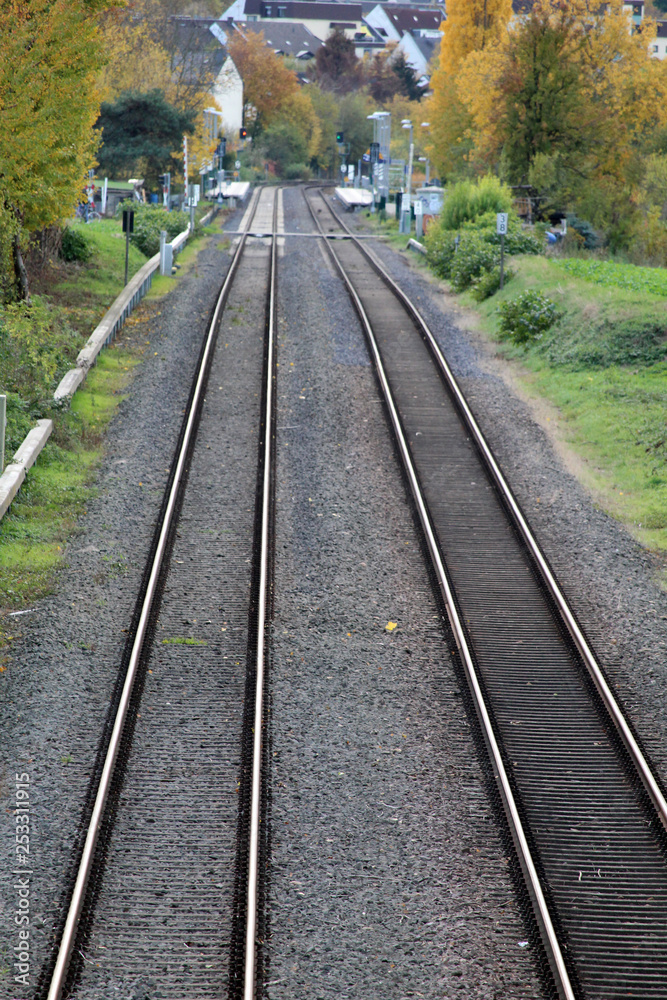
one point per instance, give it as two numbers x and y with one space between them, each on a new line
73 297
604 369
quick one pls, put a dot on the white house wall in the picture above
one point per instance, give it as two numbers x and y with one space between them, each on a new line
228 92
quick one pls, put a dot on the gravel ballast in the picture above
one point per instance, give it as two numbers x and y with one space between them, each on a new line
54 694
388 875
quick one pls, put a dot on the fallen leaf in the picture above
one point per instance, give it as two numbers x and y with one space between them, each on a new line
390 626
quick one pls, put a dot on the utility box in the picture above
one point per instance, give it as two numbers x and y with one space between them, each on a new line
166 255
433 199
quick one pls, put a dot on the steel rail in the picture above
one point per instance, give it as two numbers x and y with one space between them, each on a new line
249 988
68 938
542 913
623 729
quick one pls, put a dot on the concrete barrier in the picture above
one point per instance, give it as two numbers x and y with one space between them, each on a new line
13 476
417 247
112 321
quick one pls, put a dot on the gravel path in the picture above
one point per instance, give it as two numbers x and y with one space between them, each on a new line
388 875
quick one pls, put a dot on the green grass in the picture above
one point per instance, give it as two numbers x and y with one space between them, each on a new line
35 530
85 291
612 275
604 367
179 640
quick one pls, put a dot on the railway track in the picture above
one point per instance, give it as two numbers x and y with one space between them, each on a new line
586 815
164 894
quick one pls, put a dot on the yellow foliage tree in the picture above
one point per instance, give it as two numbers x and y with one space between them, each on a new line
471 27
267 83
49 54
136 61
298 112
568 98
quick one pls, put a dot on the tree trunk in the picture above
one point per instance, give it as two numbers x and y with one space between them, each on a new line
20 271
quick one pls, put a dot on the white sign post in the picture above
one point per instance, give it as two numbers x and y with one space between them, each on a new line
501 228
419 217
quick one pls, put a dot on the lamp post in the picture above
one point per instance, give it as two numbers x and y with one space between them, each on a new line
427 125
425 159
382 136
406 222
372 166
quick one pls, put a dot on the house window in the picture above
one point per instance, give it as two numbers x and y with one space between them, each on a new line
267 10
282 11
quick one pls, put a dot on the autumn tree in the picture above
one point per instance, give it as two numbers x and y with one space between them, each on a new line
267 83
381 79
147 50
336 65
48 104
471 27
569 100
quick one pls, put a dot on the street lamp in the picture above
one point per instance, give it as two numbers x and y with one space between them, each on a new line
425 159
406 222
427 125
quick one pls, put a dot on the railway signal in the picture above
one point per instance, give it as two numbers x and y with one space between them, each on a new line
340 138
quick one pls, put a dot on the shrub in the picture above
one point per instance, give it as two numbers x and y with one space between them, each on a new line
592 239
149 221
75 246
474 256
441 243
440 250
467 201
527 317
297 172
489 282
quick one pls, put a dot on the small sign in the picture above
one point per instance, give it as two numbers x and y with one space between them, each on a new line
350 171
419 207
501 223
237 164
128 220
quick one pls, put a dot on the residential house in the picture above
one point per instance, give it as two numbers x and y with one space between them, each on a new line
320 18
285 38
202 50
392 22
659 47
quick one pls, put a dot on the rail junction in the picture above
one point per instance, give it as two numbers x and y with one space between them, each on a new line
174 878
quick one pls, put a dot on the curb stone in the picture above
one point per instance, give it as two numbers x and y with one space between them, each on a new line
112 321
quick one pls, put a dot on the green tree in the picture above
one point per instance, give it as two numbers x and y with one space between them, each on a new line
141 131
285 146
407 78
543 102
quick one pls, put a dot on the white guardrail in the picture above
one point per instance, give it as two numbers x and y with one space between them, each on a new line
26 456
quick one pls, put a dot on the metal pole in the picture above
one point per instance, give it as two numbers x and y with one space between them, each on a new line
502 260
127 251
